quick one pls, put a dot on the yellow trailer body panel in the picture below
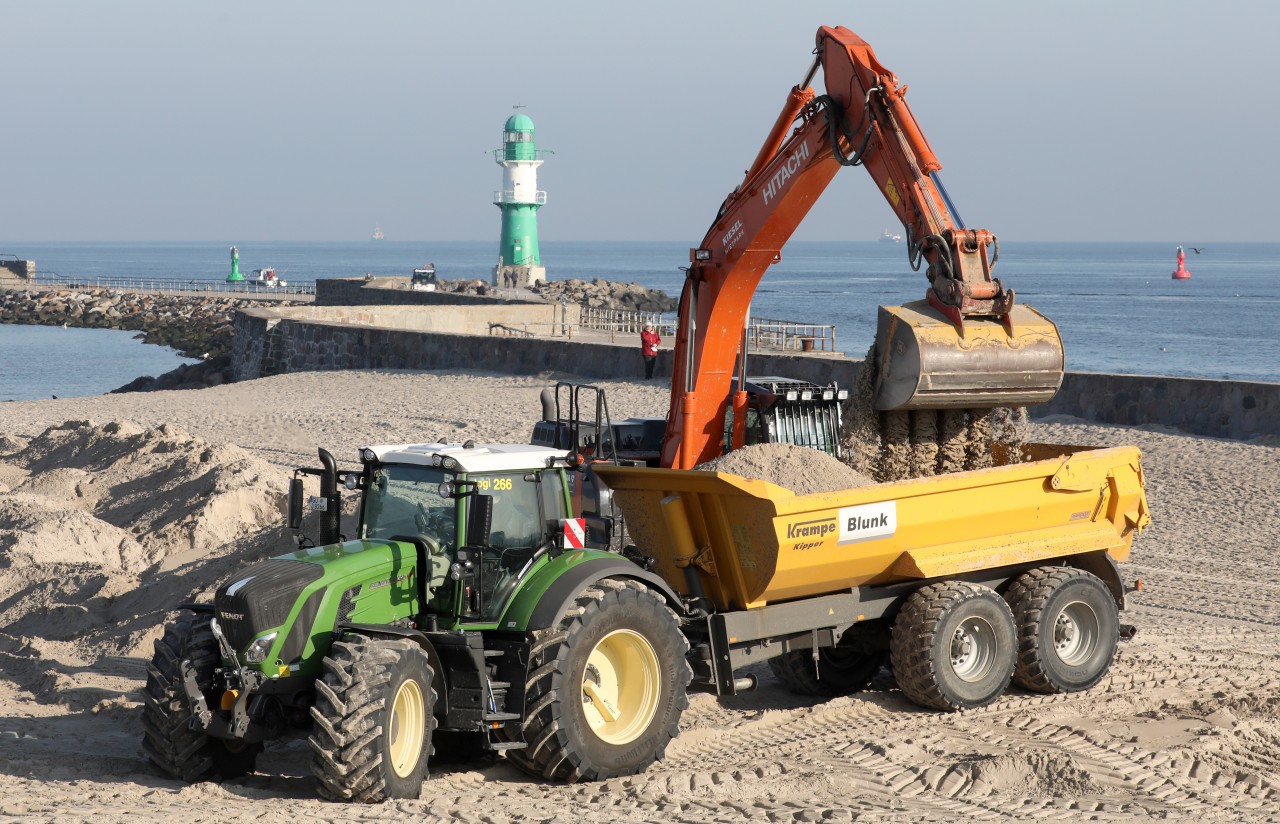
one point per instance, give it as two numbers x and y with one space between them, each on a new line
754 543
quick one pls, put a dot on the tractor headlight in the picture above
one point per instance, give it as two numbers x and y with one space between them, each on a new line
257 651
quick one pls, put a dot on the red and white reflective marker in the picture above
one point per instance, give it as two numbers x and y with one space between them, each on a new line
575 532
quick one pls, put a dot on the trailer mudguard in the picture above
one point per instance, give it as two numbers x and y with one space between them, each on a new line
1102 566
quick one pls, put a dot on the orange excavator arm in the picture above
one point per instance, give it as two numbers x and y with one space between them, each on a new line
863 119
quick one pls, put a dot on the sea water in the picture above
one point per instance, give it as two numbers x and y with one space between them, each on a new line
50 361
1115 304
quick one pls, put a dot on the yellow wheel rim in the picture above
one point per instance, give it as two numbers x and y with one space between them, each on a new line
408 725
621 686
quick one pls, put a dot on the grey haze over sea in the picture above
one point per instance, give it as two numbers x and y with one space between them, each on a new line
1115 304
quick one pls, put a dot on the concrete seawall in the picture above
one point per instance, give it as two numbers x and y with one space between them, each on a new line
271 342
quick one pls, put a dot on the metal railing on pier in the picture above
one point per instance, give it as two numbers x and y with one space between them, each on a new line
247 288
625 320
762 333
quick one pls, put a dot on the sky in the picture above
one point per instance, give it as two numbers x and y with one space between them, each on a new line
1094 120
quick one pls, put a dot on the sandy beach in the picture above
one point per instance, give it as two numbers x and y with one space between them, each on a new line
115 508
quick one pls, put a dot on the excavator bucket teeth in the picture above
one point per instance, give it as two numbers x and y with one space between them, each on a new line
924 362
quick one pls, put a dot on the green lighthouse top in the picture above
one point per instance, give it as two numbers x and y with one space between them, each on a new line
518 123
517 138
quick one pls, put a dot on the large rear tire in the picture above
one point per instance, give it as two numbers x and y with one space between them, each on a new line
841 670
953 646
373 720
168 739
1068 627
606 686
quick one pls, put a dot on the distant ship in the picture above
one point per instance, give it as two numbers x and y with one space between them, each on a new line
377 233
889 237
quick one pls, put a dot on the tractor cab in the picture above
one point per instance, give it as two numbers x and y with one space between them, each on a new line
479 518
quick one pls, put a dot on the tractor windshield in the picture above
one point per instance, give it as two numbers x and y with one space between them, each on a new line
403 499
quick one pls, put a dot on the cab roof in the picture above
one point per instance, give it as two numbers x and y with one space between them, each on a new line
489 457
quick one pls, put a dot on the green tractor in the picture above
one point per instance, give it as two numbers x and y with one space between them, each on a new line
470 613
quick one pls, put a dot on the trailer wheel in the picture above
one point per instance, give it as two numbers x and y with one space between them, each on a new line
168 739
840 671
373 720
1068 627
953 646
606 686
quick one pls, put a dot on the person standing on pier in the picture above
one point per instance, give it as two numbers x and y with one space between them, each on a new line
649 341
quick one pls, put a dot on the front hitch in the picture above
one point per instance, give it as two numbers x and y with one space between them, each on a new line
237 680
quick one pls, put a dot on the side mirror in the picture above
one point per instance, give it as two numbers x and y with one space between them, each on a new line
479 520
295 503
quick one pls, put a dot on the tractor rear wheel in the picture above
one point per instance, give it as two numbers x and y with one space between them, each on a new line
1068 627
167 738
606 686
373 720
953 646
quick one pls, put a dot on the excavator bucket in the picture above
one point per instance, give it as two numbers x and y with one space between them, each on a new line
924 362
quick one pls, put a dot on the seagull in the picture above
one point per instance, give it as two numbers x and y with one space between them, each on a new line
1195 249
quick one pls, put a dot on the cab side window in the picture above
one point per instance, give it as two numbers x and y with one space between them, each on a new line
516 522
554 507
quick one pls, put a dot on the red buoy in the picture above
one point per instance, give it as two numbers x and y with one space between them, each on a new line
1181 272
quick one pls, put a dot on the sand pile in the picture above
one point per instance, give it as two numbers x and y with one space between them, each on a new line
103 528
803 470
35 531
160 488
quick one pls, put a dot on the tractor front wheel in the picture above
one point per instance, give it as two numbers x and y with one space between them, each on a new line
373 720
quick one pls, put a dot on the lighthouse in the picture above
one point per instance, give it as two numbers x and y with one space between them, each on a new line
235 276
519 263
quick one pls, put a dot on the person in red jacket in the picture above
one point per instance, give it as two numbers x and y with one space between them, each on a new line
649 341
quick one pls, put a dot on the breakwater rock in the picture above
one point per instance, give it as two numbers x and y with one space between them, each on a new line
196 326
605 294
198 375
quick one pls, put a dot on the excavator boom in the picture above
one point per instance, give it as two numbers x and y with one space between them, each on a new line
963 346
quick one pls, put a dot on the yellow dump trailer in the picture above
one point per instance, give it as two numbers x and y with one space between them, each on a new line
1019 561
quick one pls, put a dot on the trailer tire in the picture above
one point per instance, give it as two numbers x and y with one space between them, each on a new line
953 646
371 739
841 670
617 651
168 739
1068 627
